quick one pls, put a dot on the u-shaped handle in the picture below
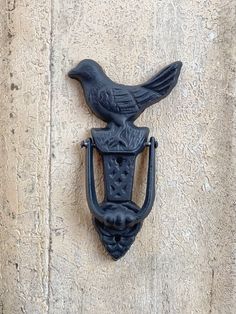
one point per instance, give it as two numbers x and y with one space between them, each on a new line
90 184
93 204
150 188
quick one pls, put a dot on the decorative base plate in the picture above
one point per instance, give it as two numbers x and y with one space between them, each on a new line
117 242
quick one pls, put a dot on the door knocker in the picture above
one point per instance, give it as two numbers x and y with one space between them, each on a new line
118 219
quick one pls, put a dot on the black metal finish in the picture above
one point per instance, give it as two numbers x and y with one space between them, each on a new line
118 219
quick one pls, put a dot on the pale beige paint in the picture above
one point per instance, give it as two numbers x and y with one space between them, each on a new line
183 260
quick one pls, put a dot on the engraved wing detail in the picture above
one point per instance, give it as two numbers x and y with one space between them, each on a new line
132 99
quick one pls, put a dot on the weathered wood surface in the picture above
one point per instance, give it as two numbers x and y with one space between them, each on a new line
24 156
51 259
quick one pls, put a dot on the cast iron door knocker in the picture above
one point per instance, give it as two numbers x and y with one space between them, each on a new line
118 219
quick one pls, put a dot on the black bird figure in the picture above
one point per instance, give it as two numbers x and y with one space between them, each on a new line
122 104
118 218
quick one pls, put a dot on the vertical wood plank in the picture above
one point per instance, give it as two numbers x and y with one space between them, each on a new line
24 155
181 260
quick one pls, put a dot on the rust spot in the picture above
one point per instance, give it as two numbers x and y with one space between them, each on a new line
13 86
9 34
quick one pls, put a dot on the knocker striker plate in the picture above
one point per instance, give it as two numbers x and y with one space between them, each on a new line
118 219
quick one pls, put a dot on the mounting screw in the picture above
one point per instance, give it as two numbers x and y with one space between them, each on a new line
84 144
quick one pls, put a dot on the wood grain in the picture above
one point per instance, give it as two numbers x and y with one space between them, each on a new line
183 260
24 156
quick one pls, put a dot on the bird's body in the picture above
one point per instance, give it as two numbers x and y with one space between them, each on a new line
117 103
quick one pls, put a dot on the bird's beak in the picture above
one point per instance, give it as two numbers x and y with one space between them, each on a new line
73 74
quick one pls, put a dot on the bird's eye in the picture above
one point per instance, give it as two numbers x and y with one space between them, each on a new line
87 76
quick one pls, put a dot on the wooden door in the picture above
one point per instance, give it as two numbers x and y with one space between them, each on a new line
51 260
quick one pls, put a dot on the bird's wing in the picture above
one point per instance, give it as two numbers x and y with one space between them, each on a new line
118 99
133 99
157 87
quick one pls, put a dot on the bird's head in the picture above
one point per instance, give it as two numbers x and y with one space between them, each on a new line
86 71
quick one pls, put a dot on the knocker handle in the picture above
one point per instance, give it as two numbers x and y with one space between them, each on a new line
90 183
150 186
97 210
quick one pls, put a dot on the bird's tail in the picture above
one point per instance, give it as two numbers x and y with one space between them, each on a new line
165 80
